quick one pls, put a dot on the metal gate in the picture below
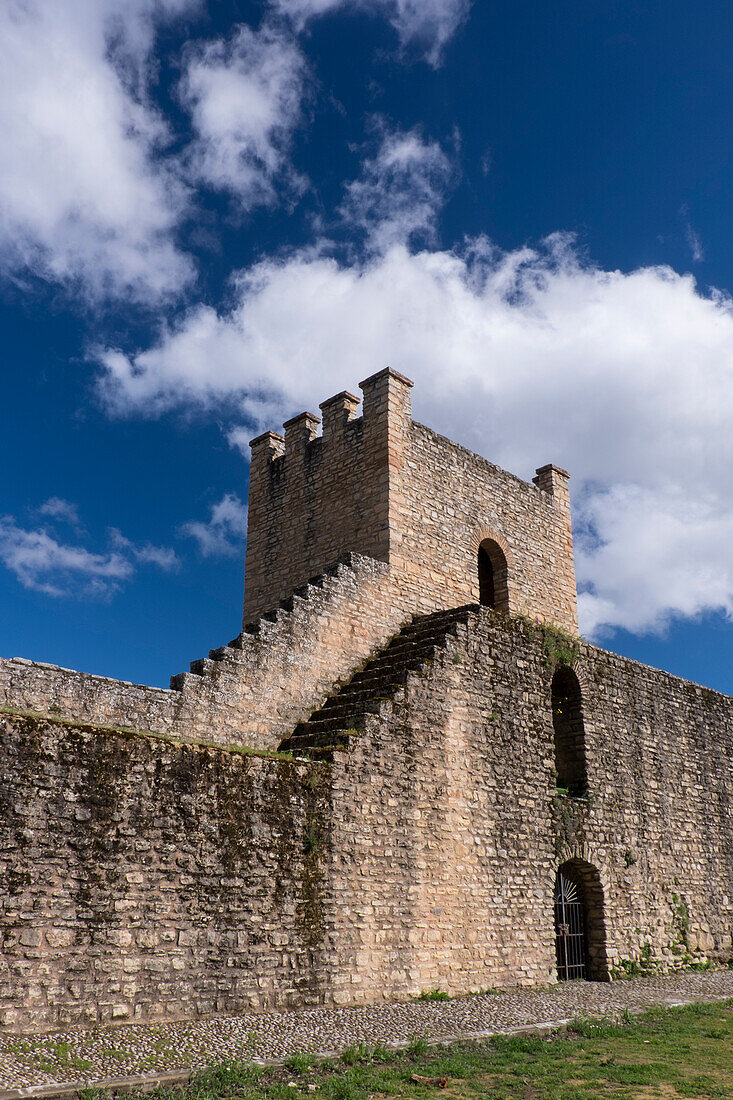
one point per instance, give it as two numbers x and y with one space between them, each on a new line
569 929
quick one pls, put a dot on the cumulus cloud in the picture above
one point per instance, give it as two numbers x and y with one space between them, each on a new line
85 198
425 24
244 96
656 551
41 561
223 533
400 192
527 356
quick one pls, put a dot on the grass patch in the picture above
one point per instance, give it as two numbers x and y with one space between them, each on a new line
666 1053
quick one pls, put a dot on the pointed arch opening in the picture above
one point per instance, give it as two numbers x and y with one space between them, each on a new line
567 720
493 576
580 923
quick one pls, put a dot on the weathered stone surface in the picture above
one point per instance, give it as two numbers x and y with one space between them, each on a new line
445 864
256 689
423 856
189 887
153 869
387 487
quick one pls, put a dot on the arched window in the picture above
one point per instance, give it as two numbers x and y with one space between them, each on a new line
567 719
580 925
493 576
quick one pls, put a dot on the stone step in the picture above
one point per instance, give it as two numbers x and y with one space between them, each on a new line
344 705
378 681
223 653
314 739
360 690
352 721
265 626
399 661
364 703
203 666
404 659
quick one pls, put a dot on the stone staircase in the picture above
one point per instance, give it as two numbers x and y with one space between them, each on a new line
268 627
330 727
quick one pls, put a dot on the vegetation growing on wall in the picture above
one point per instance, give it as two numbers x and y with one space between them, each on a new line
558 646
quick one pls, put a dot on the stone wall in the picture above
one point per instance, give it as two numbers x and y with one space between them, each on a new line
444 852
387 487
658 825
251 692
452 830
148 880
452 499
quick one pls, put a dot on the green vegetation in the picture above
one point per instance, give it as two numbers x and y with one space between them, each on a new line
681 921
559 647
311 838
434 995
633 968
667 1053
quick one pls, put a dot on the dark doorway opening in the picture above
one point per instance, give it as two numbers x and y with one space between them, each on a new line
580 929
567 720
493 576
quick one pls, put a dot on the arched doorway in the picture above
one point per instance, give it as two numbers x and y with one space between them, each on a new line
567 721
580 928
493 576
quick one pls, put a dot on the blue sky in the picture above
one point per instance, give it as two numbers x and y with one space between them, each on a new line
213 216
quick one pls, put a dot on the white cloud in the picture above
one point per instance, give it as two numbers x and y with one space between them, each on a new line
60 509
694 243
84 198
657 552
43 563
426 24
244 96
530 356
400 192
223 534
147 554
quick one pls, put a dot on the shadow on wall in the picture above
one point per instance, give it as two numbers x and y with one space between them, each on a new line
493 576
567 720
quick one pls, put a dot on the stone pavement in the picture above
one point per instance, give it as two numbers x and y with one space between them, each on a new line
33 1064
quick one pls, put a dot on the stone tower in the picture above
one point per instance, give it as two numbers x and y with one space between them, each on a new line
384 486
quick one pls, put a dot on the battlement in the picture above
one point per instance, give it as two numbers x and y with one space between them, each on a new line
385 486
313 498
386 411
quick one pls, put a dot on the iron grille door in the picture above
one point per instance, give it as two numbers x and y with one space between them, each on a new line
569 929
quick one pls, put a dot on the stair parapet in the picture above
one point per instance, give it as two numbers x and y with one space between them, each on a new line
372 690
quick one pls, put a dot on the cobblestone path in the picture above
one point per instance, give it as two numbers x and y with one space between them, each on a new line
87 1056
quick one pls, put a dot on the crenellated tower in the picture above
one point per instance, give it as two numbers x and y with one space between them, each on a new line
452 527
